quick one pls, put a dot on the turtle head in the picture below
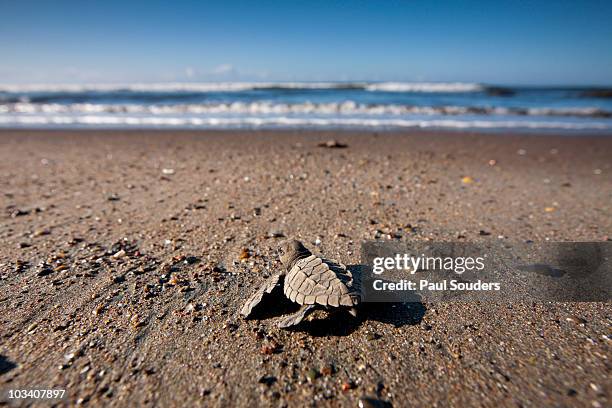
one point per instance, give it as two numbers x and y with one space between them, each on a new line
290 251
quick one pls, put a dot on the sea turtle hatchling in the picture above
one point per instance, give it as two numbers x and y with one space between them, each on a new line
310 281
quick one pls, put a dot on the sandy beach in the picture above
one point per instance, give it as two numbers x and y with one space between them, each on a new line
126 256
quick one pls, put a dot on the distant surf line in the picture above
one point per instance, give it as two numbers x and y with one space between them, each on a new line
284 122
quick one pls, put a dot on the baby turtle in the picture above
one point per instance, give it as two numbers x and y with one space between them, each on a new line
310 281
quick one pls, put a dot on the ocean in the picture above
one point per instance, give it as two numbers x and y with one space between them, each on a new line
311 105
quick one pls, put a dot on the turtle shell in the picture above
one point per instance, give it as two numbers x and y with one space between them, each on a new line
314 280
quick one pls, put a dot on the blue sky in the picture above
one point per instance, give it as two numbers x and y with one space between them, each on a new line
503 42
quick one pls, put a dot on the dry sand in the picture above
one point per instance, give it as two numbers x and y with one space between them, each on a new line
121 271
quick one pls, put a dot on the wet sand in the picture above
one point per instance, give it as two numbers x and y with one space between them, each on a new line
126 256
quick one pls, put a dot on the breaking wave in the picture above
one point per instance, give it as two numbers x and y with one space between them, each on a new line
305 108
364 104
205 87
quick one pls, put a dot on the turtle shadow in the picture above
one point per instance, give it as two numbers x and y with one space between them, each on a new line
6 365
341 323
332 324
274 305
397 314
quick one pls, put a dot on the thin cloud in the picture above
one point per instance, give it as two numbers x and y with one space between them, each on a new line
223 69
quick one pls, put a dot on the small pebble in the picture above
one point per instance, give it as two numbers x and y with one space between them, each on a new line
275 234
41 232
244 255
118 279
576 320
348 385
312 374
19 213
191 260
595 387
44 270
136 322
270 348
119 254
328 370
333 144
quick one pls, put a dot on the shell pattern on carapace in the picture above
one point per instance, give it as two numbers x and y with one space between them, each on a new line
313 280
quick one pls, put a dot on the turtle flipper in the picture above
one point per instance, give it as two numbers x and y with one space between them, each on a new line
295 318
256 297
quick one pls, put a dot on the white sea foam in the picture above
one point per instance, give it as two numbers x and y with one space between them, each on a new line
242 86
304 108
587 111
424 87
284 121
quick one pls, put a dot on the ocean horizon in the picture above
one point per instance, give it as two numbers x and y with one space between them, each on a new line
310 105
